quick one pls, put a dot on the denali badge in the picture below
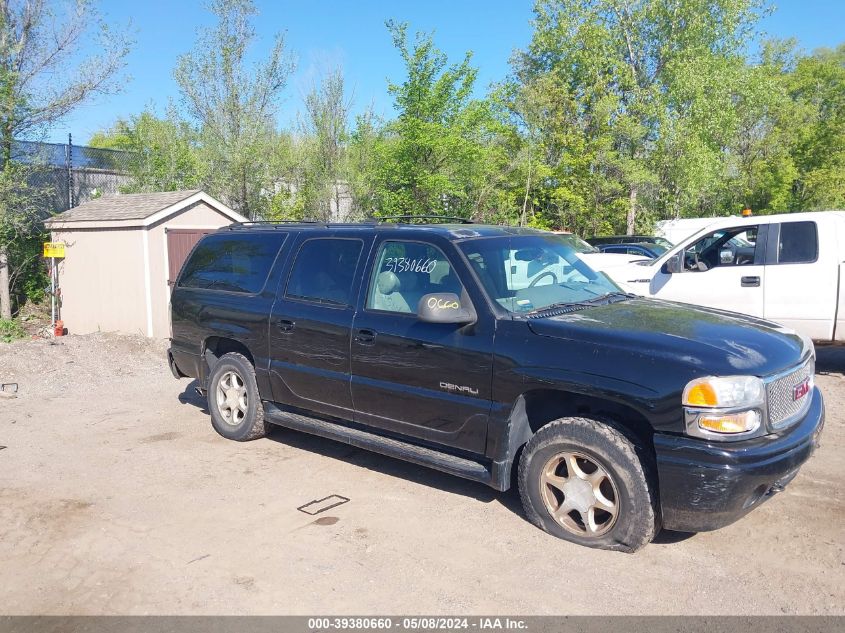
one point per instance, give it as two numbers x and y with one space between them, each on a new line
801 389
448 386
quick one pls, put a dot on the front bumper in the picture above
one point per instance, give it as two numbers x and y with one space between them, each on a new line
707 485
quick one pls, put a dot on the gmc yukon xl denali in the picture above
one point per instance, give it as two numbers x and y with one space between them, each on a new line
496 354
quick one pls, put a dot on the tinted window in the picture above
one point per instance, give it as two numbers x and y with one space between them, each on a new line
404 272
799 243
237 262
324 271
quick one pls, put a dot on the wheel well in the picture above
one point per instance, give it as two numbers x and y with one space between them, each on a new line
543 406
217 346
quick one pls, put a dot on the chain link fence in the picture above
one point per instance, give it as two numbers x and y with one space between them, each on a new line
71 174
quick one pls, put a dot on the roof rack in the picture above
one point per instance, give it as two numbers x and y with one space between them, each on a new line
242 225
422 217
440 219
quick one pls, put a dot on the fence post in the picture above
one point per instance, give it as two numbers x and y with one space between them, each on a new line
69 163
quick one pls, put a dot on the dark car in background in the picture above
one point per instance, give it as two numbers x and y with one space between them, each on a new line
646 249
630 239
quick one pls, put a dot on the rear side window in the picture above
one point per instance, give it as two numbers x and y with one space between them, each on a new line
799 243
324 271
235 262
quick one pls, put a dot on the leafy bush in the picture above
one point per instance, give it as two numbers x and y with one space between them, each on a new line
10 329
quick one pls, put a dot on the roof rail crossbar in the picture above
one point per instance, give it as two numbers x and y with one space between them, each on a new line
423 217
237 225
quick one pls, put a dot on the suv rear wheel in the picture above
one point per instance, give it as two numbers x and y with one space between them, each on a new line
581 480
233 400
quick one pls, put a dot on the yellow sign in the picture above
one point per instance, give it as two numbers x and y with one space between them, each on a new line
54 249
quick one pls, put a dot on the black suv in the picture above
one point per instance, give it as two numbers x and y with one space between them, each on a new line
495 353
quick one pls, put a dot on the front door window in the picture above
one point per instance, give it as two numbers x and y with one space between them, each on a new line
725 247
405 272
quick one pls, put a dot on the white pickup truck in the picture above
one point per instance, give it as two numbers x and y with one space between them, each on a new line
787 268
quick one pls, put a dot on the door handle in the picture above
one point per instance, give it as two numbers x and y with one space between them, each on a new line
365 337
285 325
749 282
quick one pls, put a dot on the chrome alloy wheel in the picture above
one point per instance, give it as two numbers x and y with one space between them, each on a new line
579 494
231 398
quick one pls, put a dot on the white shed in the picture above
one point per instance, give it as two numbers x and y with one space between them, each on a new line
122 256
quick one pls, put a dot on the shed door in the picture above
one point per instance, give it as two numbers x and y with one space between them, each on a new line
179 245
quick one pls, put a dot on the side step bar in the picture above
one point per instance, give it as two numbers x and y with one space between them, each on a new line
459 466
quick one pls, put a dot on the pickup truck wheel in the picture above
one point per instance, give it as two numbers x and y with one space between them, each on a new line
233 400
581 480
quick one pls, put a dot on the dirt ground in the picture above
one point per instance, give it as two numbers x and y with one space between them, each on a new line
116 496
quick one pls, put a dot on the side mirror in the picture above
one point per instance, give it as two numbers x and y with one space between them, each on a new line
674 264
442 307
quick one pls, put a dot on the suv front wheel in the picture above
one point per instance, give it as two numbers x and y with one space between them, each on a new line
233 400
581 480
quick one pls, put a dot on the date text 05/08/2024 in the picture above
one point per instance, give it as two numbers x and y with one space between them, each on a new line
416 624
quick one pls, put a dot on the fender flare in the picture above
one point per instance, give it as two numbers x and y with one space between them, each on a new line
518 432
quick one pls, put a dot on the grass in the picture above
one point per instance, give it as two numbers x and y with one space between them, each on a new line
11 329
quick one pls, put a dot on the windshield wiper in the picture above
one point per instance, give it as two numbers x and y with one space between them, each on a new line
562 306
571 306
611 297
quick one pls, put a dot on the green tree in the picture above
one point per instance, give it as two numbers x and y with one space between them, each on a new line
817 89
325 188
364 140
43 77
431 158
234 103
163 154
621 89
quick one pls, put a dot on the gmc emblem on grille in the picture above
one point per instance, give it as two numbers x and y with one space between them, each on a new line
801 389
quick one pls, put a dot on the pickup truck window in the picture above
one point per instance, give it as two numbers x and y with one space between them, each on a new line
324 270
725 247
232 262
531 272
404 272
799 243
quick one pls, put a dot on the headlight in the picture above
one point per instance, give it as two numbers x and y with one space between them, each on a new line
724 407
724 392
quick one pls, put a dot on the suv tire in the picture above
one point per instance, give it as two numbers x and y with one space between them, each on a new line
233 400
582 480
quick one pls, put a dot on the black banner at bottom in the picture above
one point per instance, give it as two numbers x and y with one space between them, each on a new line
525 624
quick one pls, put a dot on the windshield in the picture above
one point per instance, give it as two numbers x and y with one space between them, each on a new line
531 272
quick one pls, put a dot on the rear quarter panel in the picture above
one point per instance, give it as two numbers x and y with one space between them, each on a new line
199 314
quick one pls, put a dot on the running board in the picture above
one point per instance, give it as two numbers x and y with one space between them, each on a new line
459 466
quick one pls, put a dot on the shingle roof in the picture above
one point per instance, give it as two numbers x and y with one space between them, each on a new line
130 206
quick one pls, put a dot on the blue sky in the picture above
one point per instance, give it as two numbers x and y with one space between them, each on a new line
351 34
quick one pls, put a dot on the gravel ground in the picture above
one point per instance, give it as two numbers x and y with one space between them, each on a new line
116 496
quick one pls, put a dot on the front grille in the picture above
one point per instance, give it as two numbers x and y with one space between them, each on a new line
783 407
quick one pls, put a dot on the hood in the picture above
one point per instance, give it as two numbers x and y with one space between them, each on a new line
706 340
